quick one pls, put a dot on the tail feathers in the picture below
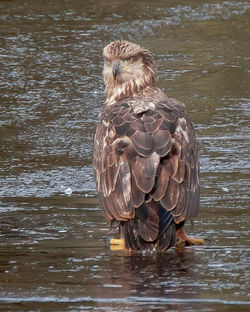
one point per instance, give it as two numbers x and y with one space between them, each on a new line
152 227
168 238
167 233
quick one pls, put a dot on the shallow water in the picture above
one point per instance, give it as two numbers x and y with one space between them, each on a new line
52 244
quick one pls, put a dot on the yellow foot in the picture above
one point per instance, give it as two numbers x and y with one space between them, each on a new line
195 241
184 239
117 244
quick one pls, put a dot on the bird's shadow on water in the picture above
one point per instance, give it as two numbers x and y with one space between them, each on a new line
143 277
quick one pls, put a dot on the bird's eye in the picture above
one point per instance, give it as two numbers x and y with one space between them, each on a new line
130 60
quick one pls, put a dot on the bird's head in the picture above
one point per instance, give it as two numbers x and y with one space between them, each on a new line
128 68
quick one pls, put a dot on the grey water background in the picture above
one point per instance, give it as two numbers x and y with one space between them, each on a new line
52 243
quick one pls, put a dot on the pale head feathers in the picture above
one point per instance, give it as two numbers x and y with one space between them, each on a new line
123 50
128 69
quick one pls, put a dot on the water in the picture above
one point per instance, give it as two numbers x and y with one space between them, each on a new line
52 240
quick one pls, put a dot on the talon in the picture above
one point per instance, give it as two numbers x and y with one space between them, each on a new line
117 244
189 241
115 241
194 241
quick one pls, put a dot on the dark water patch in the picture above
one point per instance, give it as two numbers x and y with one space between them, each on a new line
53 235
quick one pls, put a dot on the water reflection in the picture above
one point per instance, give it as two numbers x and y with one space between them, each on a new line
150 277
52 244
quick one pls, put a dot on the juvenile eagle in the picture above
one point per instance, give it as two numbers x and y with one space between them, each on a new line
145 154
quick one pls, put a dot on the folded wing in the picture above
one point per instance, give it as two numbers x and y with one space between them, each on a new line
146 160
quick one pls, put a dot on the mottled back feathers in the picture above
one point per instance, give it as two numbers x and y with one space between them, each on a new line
147 156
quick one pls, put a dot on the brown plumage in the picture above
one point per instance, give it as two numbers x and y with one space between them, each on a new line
145 154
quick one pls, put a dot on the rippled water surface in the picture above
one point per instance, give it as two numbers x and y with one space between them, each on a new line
52 239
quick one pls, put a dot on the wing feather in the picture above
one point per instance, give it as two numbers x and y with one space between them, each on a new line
137 194
143 143
144 172
144 160
171 197
161 183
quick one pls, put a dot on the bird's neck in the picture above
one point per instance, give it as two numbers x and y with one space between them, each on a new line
132 88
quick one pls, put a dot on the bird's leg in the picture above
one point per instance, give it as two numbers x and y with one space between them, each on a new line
187 240
118 244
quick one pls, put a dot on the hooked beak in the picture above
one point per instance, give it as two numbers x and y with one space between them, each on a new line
116 70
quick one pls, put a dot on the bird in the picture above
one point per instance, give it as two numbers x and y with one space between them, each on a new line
145 156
